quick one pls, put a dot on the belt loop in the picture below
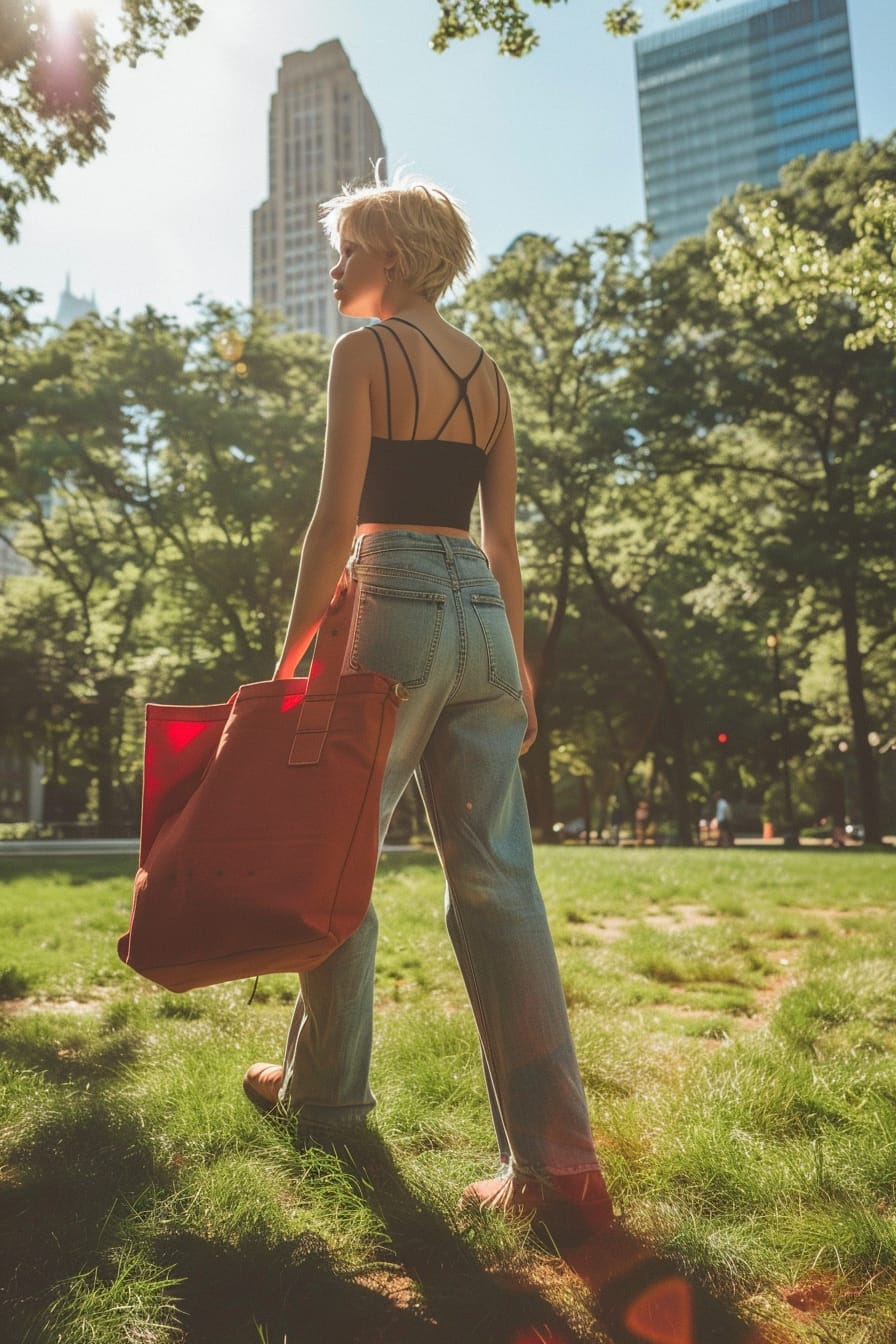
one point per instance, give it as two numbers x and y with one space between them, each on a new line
447 553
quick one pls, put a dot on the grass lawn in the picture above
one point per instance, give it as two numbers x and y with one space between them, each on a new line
735 1015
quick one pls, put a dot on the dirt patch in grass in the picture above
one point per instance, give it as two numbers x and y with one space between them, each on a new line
680 917
399 1289
813 1295
73 1007
610 928
767 997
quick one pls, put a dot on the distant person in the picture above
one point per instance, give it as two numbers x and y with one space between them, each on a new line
418 426
724 828
615 823
838 834
642 821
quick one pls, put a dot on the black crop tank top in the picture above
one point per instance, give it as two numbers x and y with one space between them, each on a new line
434 481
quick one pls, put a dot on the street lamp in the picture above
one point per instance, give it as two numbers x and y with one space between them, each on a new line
791 836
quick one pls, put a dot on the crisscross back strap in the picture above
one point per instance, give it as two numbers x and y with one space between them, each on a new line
462 380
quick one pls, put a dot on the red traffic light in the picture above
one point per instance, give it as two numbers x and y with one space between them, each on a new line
722 739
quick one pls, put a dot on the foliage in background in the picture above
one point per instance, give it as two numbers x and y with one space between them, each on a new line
510 21
824 429
770 257
692 473
561 325
158 479
54 67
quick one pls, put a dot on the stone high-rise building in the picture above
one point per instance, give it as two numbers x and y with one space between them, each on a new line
322 133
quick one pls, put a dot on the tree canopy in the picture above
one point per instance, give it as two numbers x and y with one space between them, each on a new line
54 69
512 22
158 479
767 254
697 472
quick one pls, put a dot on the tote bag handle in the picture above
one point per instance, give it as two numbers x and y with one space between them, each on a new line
327 662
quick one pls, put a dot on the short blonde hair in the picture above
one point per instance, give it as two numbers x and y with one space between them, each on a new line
421 223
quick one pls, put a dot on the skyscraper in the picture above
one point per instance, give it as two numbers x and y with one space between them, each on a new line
729 98
72 306
321 133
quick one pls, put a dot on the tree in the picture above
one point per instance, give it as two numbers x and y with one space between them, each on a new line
766 257
53 74
547 567
559 324
798 428
223 457
460 19
158 478
94 563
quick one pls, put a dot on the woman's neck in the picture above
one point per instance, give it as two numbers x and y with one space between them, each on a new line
409 305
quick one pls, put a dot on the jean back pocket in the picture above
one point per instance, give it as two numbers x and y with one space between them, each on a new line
503 668
397 632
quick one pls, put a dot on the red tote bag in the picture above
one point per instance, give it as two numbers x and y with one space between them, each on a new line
259 831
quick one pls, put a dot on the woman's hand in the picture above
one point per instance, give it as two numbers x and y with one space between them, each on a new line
532 729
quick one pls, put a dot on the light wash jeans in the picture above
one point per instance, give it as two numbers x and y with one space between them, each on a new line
430 613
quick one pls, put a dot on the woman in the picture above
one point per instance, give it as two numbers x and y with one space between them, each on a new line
418 421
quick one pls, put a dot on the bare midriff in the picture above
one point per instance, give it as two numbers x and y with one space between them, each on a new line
365 529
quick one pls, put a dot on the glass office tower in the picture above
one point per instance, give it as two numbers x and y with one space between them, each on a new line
729 98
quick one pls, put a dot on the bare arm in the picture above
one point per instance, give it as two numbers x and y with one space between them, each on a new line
498 508
328 540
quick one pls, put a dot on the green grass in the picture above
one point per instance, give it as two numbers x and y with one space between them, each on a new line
735 1015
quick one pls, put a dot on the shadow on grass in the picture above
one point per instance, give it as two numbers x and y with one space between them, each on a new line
90 1065
70 1185
295 1291
633 1295
83 1193
459 1299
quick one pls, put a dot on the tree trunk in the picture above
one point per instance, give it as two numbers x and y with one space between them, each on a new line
670 719
537 762
105 769
108 710
585 797
866 765
539 789
679 771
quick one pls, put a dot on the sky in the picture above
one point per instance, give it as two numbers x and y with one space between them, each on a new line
548 143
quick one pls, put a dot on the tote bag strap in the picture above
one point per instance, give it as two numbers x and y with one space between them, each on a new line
327 661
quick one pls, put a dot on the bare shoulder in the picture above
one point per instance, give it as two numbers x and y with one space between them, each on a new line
352 352
459 340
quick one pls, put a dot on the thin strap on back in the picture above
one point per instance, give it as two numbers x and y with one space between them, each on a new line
394 334
379 341
463 379
499 418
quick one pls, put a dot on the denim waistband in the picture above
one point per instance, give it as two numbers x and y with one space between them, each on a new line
397 542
